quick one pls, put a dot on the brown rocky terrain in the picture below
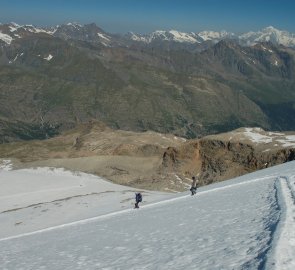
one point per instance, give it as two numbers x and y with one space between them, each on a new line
153 160
123 157
220 157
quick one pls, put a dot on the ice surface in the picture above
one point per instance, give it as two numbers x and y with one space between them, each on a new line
229 225
285 249
34 199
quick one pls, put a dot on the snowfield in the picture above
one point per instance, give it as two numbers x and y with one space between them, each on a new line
243 223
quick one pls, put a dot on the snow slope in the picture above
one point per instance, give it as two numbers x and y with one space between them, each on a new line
243 223
34 199
285 251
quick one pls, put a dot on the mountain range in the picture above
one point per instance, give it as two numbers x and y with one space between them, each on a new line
188 84
267 34
91 32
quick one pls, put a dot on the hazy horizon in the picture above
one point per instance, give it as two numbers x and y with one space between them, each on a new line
144 16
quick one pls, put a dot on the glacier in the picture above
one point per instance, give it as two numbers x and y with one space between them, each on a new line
242 223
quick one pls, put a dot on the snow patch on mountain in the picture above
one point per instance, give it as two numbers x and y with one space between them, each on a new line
254 135
33 29
288 141
135 37
266 49
6 165
103 36
13 28
6 38
215 36
48 58
259 136
75 25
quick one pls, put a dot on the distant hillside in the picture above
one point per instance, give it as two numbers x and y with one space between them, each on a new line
53 79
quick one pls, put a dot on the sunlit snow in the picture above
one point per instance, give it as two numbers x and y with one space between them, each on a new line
289 141
6 38
48 58
258 135
103 36
244 223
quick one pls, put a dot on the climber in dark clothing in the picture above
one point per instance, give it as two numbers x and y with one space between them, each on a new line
193 189
138 199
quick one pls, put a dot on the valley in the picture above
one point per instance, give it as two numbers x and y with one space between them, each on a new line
54 79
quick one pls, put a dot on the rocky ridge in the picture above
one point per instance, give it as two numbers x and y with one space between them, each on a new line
223 156
152 160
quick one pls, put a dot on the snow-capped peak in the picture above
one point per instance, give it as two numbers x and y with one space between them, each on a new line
33 29
215 36
92 33
135 37
269 34
270 28
183 37
171 35
74 24
15 24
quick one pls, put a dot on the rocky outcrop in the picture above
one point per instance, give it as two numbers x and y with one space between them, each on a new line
220 157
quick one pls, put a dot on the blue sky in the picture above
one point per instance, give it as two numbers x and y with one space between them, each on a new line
121 16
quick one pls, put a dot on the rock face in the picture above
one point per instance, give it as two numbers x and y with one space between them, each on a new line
153 160
219 157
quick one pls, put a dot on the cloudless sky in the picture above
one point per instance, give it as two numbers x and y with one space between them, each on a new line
142 16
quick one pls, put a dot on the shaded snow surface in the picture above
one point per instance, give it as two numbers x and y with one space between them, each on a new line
244 223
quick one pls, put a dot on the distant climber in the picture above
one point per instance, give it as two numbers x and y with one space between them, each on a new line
138 199
193 189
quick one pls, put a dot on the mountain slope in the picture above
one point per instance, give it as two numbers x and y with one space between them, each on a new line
232 225
62 81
